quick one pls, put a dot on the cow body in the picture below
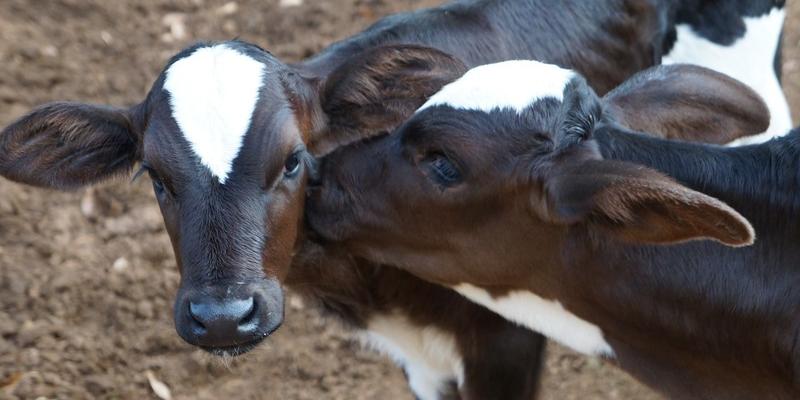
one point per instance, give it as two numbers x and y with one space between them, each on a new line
481 32
522 204
741 40
448 347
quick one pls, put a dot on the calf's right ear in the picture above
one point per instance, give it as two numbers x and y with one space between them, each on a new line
379 89
639 205
68 145
688 102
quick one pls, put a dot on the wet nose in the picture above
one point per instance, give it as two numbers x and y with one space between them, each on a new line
223 323
228 319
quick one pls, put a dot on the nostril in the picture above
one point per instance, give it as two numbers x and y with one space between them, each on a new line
251 313
250 321
198 326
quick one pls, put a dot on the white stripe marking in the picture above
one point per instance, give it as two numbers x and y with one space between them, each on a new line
428 355
749 59
213 93
547 317
512 84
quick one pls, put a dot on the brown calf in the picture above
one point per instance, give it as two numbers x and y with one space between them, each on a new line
512 204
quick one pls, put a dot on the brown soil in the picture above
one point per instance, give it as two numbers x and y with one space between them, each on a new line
85 298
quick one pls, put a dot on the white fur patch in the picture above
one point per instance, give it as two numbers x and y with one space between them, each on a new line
547 317
510 84
213 93
428 355
749 59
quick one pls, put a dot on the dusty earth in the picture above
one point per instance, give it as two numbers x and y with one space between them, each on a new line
87 279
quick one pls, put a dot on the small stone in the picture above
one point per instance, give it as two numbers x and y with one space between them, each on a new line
145 309
120 264
176 22
106 37
159 388
228 8
35 290
50 51
29 333
291 3
89 204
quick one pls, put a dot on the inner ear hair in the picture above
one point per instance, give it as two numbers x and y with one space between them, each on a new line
688 102
378 90
639 205
67 145
655 214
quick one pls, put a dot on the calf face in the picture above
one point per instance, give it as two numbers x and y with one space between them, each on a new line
226 135
489 175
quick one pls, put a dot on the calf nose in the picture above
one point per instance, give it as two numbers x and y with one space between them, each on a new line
221 323
228 319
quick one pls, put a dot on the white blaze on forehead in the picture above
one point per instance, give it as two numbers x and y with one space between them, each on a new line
213 93
509 84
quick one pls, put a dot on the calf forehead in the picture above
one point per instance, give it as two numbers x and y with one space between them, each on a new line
511 84
213 94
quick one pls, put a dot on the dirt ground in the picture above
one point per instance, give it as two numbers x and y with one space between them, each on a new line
87 279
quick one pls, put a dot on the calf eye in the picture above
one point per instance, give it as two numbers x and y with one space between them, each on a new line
442 170
158 186
292 165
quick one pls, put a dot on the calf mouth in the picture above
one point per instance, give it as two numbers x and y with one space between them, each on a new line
239 349
232 351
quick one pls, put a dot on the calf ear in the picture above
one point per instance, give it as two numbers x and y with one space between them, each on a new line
639 205
68 145
376 91
690 103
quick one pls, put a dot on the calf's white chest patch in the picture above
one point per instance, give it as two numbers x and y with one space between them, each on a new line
512 84
547 317
213 93
749 59
428 355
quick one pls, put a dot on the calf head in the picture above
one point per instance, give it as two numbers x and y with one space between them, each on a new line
226 135
497 167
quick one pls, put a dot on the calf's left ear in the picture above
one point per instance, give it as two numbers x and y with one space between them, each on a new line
376 91
66 145
639 205
688 102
